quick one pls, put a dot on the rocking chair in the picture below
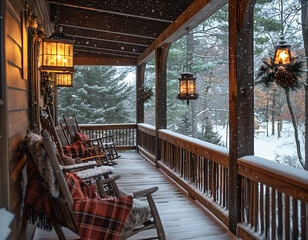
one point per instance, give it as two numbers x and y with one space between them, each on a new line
61 139
63 208
106 142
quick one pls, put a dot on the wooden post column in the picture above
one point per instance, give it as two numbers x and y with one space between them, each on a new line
140 87
140 70
161 55
241 97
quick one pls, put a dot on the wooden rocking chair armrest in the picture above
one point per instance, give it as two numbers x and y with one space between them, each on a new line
145 192
111 179
80 166
96 176
92 157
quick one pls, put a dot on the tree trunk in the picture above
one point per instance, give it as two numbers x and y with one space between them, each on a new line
190 61
267 114
298 146
304 6
273 115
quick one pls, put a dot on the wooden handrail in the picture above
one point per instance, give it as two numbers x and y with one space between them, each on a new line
107 126
146 128
291 181
210 151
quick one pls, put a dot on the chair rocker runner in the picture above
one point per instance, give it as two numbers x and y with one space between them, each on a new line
67 210
106 142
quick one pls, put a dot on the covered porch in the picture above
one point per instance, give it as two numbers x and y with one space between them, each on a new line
252 198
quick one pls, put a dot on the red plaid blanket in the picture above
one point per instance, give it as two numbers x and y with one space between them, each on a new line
77 150
80 137
37 203
97 218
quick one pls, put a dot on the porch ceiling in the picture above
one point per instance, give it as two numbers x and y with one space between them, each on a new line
125 32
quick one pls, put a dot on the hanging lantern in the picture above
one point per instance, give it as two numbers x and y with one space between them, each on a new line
57 54
283 52
64 80
187 84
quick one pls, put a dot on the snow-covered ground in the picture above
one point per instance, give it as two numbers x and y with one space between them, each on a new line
282 150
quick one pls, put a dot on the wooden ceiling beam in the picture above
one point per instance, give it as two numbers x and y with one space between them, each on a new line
103 36
103 52
109 45
156 10
106 22
196 13
104 61
88 6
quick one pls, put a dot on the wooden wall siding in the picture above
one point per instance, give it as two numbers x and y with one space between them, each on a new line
16 64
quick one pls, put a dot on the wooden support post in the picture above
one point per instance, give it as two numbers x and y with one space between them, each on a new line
241 97
140 70
161 55
140 87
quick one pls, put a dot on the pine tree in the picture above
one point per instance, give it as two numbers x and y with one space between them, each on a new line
208 134
99 95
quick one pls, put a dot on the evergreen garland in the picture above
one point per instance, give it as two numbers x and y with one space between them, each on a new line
284 75
47 89
145 94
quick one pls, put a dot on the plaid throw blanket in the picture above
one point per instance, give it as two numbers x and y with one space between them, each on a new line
80 137
37 203
97 218
77 150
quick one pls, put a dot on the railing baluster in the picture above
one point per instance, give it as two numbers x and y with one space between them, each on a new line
262 208
303 221
256 204
287 217
294 219
273 214
280 212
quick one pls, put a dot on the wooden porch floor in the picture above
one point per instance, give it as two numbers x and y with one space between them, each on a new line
182 217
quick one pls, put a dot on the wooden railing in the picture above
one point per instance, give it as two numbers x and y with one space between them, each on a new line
124 135
146 140
200 168
273 197
274 200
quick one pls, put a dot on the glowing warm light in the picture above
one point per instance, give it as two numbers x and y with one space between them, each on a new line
64 80
56 56
282 56
187 85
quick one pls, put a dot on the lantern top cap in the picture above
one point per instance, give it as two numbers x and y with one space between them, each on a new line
59 35
187 75
282 44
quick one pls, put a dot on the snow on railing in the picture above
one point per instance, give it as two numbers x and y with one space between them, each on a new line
274 199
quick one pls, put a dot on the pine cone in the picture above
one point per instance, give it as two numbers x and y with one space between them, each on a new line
285 78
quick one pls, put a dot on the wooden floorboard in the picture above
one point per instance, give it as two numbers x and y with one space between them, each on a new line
182 217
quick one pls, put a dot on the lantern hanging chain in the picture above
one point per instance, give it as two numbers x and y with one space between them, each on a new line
281 17
188 67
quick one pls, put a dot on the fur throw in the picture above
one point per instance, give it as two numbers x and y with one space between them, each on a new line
34 144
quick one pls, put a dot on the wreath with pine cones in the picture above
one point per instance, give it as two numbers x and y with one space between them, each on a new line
285 75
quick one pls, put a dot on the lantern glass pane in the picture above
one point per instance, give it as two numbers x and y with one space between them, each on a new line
191 87
282 56
69 62
183 86
69 49
64 80
60 54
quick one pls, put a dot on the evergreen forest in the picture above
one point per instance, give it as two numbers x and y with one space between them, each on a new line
105 94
